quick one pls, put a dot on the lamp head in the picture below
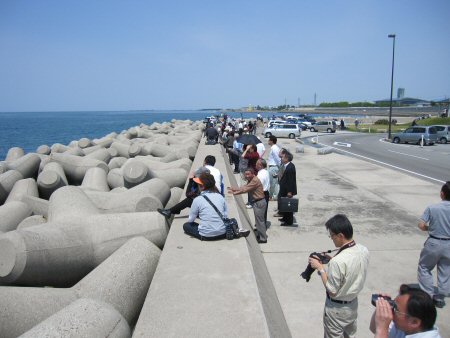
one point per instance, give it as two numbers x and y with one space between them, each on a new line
391 36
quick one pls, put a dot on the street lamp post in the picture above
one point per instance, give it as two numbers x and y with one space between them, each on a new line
392 83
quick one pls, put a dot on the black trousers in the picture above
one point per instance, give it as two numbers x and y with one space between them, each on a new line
186 203
288 217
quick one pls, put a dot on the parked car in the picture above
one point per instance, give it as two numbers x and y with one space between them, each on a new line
271 123
323 126
283 130
414 135
443 133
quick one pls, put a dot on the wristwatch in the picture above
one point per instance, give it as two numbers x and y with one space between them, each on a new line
320 272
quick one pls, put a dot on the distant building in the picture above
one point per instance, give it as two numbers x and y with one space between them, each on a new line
405 101
400 93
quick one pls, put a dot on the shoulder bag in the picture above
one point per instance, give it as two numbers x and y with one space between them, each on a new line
231 225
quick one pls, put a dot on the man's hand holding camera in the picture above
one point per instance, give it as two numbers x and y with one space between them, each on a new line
383 316
315 262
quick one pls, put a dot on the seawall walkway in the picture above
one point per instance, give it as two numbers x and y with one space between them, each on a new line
242 289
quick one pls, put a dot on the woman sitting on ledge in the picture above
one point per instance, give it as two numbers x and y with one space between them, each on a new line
211 226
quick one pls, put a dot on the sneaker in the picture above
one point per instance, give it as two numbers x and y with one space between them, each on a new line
248 206
439 302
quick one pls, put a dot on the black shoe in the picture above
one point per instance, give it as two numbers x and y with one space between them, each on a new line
284 224
439 302
244 232
235 172
260 241
165 212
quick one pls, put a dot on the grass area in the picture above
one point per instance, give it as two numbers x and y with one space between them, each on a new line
383 128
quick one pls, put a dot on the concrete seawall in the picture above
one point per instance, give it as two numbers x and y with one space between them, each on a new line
211 289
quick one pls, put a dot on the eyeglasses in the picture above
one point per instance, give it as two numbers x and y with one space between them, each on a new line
397 312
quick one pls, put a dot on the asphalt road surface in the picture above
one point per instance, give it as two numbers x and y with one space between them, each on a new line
430 162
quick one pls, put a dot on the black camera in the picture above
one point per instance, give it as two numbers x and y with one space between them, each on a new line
323 258
387 298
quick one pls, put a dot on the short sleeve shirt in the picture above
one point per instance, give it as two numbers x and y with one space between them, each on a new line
438 218
347 273
263 176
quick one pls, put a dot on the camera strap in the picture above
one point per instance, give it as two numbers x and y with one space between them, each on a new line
346 246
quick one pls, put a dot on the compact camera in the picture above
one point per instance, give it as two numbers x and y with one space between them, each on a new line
387 298
323 258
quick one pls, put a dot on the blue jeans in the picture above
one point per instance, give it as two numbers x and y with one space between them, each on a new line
191 228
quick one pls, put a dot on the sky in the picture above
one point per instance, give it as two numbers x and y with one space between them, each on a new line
76 55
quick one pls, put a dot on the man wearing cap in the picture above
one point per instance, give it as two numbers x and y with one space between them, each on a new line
255 188
192 191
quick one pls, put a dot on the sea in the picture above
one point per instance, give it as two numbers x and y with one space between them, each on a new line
29 130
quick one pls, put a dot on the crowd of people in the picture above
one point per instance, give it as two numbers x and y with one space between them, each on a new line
410 314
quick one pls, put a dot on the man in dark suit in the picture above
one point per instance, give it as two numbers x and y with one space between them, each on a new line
288 186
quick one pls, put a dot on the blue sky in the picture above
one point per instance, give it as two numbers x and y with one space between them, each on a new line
120 55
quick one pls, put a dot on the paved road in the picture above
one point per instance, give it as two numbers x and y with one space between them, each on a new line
431 162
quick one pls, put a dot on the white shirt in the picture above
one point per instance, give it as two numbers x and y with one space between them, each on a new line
263 176
274 157
217 176
260 149
347 273
397 333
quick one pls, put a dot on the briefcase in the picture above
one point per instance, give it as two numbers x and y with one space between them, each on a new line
286 204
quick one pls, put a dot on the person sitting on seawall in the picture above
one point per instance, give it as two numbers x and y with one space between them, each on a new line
192 191
411 314
211 226
212 134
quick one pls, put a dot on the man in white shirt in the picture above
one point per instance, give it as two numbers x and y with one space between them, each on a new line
344 280
264 177
274 163
209 163
411 314
261 149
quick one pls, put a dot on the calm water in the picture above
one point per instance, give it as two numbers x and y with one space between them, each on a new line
31 129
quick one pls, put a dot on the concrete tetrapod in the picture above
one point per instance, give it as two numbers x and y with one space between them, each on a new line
122 281
61 254
51 178
14 153
101 154
83 318
27 165
14 211
75 167
23 187
147 196
7 181
183 163
134 172
95 179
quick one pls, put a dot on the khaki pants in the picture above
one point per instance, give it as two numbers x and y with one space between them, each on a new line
339 320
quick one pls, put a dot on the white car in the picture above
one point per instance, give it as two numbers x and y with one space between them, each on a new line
283 130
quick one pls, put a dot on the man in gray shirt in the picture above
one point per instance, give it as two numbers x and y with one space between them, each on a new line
436 250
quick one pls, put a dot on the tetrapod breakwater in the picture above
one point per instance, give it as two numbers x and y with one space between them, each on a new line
80 238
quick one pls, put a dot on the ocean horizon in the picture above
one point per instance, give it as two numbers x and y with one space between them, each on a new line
29 130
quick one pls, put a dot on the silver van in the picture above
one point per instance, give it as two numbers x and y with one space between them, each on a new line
283 130
414 135
323 126
443 133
